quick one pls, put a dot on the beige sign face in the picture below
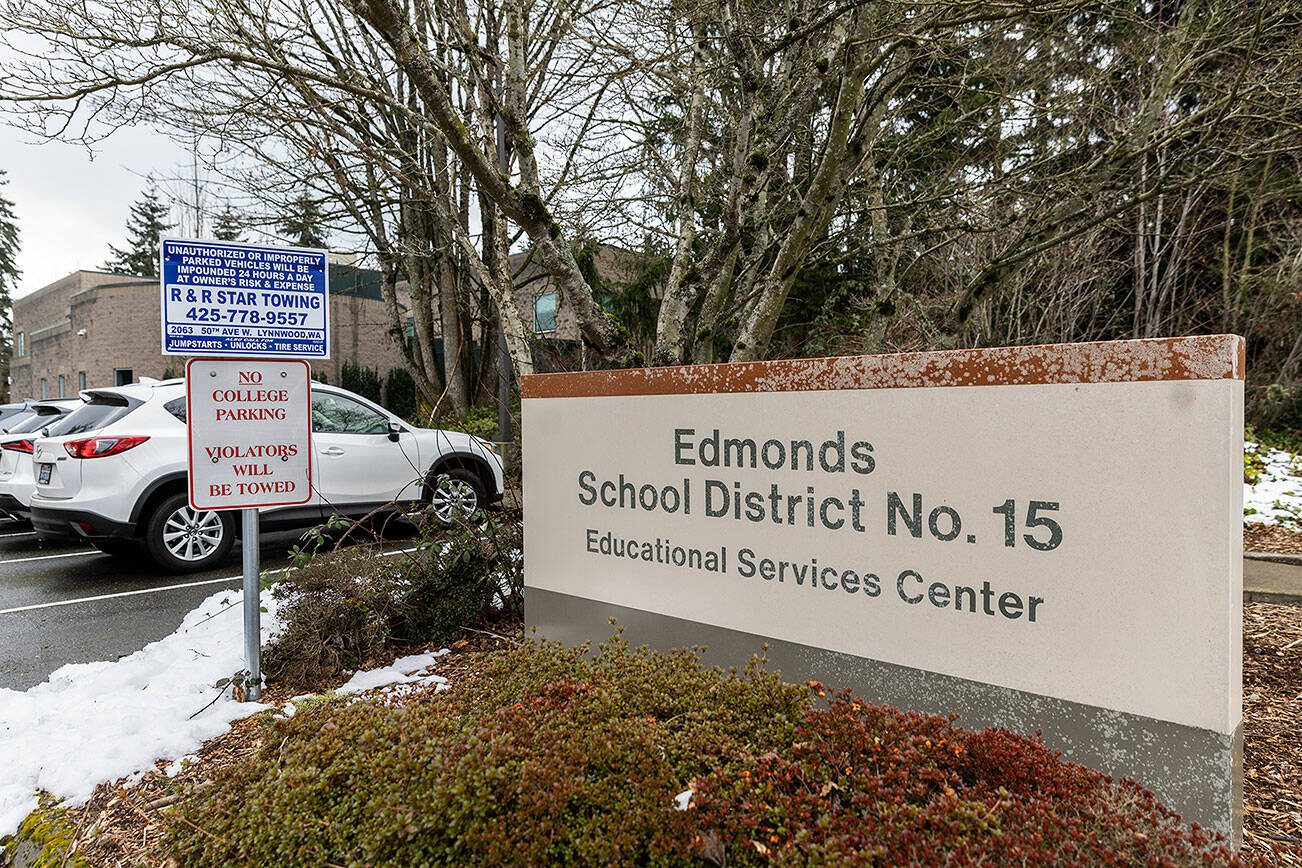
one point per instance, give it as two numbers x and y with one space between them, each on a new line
249 427
1075 534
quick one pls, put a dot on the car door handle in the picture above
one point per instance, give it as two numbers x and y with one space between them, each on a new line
332 450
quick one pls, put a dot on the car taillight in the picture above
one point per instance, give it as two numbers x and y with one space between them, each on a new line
20 446
98 447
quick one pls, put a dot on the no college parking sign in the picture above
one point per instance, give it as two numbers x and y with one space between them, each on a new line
250 432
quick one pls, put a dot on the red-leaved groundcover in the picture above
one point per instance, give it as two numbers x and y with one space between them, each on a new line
866 782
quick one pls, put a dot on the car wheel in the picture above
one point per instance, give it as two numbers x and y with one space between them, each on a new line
182 540
118 548
456 494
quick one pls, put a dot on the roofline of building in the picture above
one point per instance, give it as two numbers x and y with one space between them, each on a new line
141 282
54 284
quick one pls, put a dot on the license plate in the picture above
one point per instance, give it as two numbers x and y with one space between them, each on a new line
44 478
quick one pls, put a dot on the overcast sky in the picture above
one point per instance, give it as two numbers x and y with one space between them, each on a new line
70 206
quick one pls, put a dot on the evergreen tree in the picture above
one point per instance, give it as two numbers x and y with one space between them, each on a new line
304 225
229 225
8 279
148 220
400 393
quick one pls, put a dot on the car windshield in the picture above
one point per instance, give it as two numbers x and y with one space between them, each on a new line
99 411
36 422
14 421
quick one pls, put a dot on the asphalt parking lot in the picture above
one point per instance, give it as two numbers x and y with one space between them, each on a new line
61 602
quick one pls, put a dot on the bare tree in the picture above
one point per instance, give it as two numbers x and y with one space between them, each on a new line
934 156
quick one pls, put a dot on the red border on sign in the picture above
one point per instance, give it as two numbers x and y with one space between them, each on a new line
189 433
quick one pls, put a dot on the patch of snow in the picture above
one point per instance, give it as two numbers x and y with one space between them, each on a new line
176 766
1277 496
404 670
95 722
683 799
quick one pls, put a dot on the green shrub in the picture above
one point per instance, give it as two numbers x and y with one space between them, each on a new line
400 393
540 755
471 571
360 379
479 420
341 609
335 611
1287 439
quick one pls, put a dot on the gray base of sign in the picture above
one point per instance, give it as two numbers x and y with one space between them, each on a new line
1196 772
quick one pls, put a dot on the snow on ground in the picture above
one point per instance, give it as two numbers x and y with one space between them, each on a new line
1277 496
405 670
94 722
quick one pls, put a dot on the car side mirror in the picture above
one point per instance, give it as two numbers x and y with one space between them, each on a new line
394 430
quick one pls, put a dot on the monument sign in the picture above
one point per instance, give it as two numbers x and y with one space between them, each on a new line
1041 538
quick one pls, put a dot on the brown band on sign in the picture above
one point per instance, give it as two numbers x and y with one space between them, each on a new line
1204 357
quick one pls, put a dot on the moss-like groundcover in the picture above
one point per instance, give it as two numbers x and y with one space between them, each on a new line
540 756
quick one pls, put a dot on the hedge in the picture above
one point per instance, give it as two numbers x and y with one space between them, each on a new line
539 755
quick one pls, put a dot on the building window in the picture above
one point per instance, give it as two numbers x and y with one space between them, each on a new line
544 312
62 385
21 348
123 376
81 380
44 390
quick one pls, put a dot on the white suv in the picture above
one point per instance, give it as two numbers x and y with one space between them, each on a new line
17 482
117 474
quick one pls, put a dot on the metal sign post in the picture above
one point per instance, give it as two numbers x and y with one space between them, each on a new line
249 421
248 425
252 605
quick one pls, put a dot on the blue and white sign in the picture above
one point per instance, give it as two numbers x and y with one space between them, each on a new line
237 300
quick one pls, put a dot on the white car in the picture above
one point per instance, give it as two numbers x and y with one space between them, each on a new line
17 482
116 476
13 415
15 412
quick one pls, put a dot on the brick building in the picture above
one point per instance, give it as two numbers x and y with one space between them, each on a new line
94 328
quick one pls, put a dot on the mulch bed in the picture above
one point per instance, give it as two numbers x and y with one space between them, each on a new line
121 826
1272 712
1271 538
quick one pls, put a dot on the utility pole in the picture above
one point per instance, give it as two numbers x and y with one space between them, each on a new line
503 350
198 206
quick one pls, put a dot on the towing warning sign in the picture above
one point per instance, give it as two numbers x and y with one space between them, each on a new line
225 299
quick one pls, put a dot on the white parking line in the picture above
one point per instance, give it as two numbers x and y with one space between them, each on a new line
234 578
78 554
18 533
